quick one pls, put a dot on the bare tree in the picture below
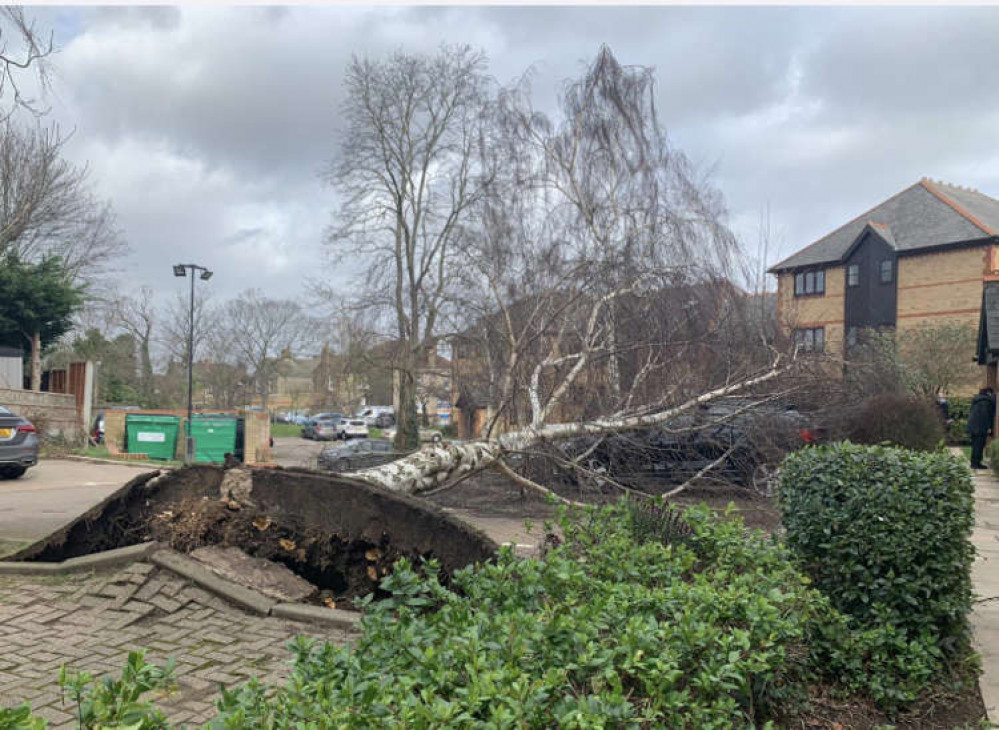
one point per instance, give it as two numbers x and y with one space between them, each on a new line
581 257
47 206
406 175
259 328
22 49
136 315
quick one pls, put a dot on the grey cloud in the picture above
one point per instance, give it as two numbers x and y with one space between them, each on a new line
208 127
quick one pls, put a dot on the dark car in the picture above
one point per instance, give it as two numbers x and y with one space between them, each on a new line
384 420
18 444
741 441
356 455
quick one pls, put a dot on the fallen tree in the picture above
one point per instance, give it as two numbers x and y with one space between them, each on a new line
438 465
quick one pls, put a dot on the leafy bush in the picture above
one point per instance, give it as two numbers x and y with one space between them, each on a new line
605 631
992 454
637 618
912 423
957 431
884 533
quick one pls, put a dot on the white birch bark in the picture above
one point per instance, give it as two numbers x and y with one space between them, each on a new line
436 465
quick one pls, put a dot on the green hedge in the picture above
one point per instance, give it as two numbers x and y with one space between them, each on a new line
884 533
957 432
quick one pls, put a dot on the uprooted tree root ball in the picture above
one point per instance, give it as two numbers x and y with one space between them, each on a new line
341 569
339 534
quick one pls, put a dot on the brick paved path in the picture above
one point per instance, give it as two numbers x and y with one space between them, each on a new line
91 621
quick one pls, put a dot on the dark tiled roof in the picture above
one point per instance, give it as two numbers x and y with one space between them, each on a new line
924 215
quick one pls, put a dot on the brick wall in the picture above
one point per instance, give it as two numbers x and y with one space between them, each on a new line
938 286
814 311
53 414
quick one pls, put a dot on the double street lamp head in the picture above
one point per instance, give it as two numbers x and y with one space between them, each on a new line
181 270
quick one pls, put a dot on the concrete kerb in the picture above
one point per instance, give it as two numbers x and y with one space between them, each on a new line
94 561
146 464
248 598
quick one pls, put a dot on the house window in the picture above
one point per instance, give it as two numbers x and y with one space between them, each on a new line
887 271
808 283
853 275
810 339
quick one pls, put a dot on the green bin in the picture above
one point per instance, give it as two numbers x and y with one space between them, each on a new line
153 435
214 437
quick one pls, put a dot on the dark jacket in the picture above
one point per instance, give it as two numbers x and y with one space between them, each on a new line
982 415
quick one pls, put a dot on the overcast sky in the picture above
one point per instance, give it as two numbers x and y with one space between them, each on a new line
207 127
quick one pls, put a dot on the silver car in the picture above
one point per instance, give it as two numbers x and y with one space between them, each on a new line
18 445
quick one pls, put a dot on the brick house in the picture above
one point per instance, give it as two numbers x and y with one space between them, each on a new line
919 258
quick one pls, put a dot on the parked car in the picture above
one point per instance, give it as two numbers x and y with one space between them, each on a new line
384 420
749 439
347 428
427 435
356 455
325 429
309 425
370 413
18 444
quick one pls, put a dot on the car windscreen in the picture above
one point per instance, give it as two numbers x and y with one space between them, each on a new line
5 412
382 446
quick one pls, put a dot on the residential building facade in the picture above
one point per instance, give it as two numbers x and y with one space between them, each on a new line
919 258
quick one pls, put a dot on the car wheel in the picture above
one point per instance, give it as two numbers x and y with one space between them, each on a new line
13 472
436 438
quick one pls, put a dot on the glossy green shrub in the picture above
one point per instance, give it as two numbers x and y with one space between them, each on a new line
884 533
957 430
605 631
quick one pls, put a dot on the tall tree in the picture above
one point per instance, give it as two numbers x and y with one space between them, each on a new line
37 302
591 241
406 176
135 314
259 329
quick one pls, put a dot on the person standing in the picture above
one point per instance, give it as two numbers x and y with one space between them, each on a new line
980 420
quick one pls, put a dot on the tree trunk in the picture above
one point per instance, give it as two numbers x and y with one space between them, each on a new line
36 361
407 435
435 466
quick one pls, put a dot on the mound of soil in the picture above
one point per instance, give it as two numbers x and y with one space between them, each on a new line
340 534
341 567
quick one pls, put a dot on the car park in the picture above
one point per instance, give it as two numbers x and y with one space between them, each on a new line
348 428
356 455
18 444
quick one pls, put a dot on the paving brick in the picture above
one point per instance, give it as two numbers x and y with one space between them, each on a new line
43 626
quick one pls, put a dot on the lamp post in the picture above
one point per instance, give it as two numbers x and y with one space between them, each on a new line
181 270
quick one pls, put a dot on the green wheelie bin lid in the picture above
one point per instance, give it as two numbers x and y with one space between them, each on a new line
214 437
153 435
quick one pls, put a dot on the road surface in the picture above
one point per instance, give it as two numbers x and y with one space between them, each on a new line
53 493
